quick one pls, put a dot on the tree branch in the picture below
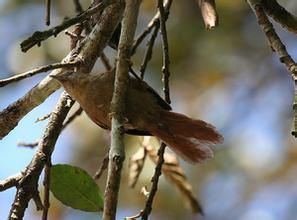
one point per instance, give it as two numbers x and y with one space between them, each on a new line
154 22
10 181
166 73
39 36
47 12
46 184
165 68
78 7
28 185
117 153
103 166
155 179
18 77
278 47
149 51
280 15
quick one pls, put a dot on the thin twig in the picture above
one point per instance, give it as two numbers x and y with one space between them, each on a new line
39 36
166 73
132 71
105 61
273 38
46 184
10 181
75 35
165 68
117 152
277 46
136 216
154 22
30 145
155 179
78 7
47 12
18 77
72 117
43 118
104 166
149 51
37 200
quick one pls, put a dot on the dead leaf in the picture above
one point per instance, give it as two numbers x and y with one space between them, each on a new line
173 172
136 163
209 13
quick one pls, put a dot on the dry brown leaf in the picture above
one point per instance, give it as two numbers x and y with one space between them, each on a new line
136 163
209 13
174 174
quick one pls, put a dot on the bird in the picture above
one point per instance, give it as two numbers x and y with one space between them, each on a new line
146 113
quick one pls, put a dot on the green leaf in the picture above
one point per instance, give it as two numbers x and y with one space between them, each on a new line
75 188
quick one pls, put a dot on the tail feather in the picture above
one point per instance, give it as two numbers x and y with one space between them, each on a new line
188 137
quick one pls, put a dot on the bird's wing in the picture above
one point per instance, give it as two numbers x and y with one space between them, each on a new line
159 99
142 85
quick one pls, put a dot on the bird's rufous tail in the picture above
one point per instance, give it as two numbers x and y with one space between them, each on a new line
188 137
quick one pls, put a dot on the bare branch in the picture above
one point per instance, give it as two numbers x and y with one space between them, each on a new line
117 152
166 74
43 118
10 181
154 22
149 51
104 166
39 36
47 12
158 171
278 47
280 15
18 77
30 145
78 7
27 186
105 61
72 117
37 201
134 217
165 68
10 117
46 184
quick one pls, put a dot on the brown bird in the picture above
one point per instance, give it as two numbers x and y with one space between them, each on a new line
146 113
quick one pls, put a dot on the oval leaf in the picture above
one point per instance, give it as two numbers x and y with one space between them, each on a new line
75 188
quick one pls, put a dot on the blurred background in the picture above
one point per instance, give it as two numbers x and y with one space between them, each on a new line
227 76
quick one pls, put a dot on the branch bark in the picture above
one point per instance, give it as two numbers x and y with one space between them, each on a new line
153 23
27 187
39 36
280 15
18 77
117 152
166 73
278 47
